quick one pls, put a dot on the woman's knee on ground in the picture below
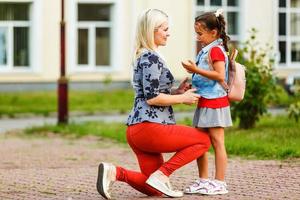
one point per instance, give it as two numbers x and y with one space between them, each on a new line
205 142
205 139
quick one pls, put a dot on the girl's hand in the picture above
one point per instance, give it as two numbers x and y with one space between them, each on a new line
183 86
190 97
189 66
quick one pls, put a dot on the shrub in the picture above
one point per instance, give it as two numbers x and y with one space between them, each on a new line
260 81
294 111
279 97
294 108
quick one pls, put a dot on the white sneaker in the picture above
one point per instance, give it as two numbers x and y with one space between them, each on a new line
106 176
214 187
161 182
197 186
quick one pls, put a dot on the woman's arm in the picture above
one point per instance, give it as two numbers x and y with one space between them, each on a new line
188 97
151 83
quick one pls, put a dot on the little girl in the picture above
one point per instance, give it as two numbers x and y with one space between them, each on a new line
213 110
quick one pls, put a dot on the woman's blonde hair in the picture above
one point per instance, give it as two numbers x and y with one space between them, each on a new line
149 21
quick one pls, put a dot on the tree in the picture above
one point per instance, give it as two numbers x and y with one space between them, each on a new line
260 81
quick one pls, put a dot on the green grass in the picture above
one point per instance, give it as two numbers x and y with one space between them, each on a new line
45 103
13 104
273 138
41 103
115 131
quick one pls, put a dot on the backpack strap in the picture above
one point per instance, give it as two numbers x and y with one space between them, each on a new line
210 63
233 54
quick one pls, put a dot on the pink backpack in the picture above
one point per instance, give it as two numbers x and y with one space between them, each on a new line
236 84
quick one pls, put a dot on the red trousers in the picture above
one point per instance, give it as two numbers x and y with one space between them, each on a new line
149 140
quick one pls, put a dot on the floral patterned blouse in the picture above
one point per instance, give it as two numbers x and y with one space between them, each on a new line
151 77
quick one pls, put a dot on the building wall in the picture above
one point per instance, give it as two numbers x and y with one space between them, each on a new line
181 43
50 18
123 30
179 47
263 16
259 15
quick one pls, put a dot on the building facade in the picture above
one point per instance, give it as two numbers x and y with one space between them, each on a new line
100 34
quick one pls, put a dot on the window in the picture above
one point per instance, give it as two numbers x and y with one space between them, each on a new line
94 35
14 35
289 32
3 46
231 14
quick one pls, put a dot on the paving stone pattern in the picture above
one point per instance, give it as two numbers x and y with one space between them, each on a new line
60 168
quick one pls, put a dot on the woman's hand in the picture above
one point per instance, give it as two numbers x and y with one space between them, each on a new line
183 86
190 66
190 97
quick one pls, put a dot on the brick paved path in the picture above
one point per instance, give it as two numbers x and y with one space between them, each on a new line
56 168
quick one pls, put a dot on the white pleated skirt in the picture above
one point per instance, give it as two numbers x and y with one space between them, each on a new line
212 117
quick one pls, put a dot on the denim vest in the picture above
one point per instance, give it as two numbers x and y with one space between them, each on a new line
207 88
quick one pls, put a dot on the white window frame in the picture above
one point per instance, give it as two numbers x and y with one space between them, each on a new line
115 26
9 34
34 41
92 42
287 38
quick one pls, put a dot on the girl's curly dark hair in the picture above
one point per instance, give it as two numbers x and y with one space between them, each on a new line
210 21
